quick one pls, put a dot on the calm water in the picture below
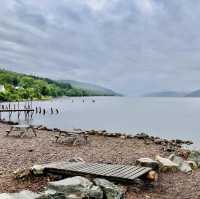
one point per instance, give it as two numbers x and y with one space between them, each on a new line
164 117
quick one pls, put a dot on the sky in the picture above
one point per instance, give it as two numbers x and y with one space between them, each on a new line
131 46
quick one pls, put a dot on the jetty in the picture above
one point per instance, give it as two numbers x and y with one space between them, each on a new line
16 110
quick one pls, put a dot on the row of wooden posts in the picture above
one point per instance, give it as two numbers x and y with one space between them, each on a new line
27 108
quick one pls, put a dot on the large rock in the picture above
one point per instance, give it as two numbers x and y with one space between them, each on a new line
192 164
78 186
182 165
148 162
21 174
111 190
37 170
141 136
52 195
195 156
166 164
20 195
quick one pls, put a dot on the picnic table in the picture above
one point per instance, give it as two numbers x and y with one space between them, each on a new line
72 137
22 129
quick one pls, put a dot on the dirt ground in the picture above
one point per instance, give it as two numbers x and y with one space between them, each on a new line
16 152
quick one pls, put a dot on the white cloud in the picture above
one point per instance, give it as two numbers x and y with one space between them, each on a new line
96 4
145 6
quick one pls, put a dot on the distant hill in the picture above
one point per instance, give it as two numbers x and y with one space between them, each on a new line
195 93
94 89
18 87
166 94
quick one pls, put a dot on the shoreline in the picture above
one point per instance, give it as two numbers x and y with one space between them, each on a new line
156 139
103 147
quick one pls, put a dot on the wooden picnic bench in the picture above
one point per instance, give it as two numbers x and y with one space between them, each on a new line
22 129
72 137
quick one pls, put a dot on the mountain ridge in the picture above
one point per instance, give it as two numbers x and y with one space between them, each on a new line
99 90
169 93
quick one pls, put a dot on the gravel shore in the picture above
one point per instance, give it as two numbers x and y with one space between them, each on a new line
25 152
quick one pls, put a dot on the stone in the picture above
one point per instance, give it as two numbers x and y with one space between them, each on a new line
76 159
110 190
52 195
148 162
192 164
20 195
141 136
37 170
21 174
158 141
188 142
182 165
166 164
78 186
152 176
195 156
169 148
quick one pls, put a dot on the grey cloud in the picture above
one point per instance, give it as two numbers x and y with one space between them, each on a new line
132 46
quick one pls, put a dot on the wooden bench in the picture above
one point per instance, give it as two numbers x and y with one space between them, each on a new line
113 172
73 138
22 129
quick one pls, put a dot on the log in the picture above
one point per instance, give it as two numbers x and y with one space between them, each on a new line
152 176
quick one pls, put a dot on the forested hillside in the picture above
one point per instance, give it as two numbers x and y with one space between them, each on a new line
22 87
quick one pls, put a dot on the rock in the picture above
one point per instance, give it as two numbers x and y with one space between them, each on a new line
37 170
21 174
169 148
158 141
147 162
52 195
79 186
20 195
195 156
110 190
166 164
182 165
76 159
152 176
192 164
141 136
178 141
188 142
183 153
123 137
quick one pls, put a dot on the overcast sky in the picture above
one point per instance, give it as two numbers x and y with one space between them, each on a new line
131 46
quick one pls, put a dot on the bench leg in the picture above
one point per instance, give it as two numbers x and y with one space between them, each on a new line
34 131
9 131
57 137
22 133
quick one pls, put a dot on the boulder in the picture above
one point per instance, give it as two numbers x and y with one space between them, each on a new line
166 164
76 159
20 195
21 174
195 156
52 195
158 141
152 176
37 170
148 162
110 190
78 186
192 164
182 165
141 136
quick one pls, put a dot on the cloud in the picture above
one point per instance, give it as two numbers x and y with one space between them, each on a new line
132 46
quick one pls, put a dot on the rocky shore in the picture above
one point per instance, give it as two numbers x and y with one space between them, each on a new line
177 168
